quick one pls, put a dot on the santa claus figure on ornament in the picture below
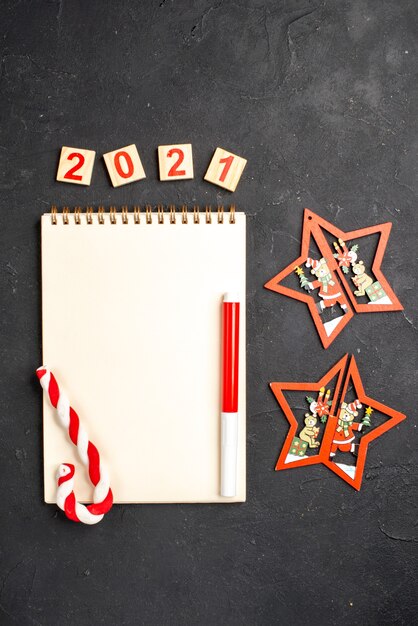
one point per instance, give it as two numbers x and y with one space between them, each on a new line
344 432
329 289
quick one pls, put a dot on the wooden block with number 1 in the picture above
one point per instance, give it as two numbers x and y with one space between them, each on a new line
124 165
176 161
225 169
75 166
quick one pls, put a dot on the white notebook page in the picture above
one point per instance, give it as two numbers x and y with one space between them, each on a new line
132 332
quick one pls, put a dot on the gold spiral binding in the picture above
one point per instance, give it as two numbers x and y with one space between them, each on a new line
194 213
220 214
172 214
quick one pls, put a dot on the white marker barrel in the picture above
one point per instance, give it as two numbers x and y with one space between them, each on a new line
229 439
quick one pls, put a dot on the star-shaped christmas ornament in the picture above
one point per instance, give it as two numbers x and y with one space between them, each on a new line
337 425
342 283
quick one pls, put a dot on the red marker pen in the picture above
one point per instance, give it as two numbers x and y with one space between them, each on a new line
229 415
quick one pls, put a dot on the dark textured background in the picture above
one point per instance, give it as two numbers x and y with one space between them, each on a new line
321 98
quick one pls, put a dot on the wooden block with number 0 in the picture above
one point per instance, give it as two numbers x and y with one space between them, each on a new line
225 169
176 161
124 165
75 166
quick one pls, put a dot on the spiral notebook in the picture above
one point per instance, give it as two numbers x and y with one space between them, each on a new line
131 307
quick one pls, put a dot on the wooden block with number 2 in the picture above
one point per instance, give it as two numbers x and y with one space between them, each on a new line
225 169
176 161
75 166
124 165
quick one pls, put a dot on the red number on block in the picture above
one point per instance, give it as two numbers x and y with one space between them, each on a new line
173 171
70 174
128 161
228 162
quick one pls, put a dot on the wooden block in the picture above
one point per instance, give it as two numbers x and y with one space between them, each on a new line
75 166
175 161
225 169
124 165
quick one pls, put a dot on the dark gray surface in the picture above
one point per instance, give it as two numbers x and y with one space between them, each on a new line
321 98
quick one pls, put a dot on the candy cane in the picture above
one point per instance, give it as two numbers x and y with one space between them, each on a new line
88 453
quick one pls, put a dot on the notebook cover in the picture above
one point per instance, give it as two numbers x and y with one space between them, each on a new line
132 331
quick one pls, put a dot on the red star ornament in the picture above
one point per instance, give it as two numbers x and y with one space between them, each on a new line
347 376
342 294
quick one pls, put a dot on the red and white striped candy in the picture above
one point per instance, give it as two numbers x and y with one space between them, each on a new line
88 453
